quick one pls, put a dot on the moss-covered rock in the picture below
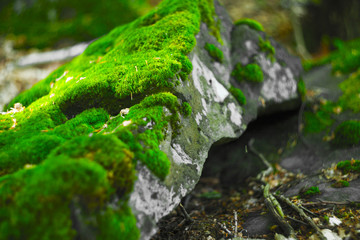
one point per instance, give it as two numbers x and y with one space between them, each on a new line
133 119
70 135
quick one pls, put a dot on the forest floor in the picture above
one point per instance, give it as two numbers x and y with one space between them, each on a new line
216 211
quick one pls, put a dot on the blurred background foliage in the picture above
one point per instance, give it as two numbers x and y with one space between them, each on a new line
308 24
58 23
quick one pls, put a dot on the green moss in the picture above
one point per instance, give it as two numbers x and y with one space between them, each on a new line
319 120
186 109
301 88
312 191
345 59
251 72
238 94
40 208
6 121
84 123
265 46
344 183
211 195
251 23
145 126
349 166
214 52
109 152
347 133
208 16
351 92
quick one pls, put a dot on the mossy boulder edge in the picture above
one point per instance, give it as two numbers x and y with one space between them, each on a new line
109 143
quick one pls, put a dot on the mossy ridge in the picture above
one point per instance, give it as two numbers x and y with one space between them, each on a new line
251 72
251 23
133 59
349 166
37 201
214 52
145 127
36 135
238 94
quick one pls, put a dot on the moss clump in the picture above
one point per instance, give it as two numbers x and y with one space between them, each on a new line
36 135
351 92
349 166
146 125
41 200
312 191
347 58
109 152
214 52
347 133
319 120
251 72
265 46
186 109
340 184
238 94
251 23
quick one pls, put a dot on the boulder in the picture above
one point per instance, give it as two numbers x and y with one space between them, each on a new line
109 143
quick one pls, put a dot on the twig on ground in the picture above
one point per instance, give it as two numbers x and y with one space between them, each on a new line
223 226
236 223
186 215
276 211
261 176
308 211
324 202
271 203
303 215
296 220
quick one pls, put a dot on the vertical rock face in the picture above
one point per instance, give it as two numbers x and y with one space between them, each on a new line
154 96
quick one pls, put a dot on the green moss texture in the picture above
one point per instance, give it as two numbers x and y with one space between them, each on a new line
347 133
68 153
251 72
251 23
214 52
238 94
